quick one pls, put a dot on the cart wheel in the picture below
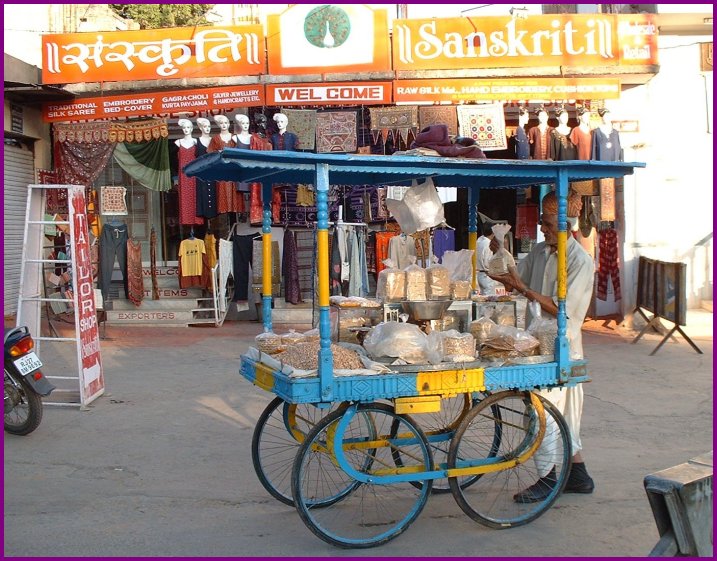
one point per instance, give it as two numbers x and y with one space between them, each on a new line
495 501
279 432
439 428
374 512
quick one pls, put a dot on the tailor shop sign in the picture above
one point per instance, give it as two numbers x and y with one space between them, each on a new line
180 52
593 40
157 103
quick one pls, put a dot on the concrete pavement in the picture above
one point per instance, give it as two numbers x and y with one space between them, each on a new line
161 465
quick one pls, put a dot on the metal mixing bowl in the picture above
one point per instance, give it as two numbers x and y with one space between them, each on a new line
425 310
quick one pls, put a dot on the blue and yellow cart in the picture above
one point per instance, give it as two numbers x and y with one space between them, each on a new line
358 456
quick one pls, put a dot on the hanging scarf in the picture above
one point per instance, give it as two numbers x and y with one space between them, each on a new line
135 284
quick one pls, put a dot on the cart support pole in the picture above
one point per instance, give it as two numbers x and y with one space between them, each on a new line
326 361
266 256
473 196
562 347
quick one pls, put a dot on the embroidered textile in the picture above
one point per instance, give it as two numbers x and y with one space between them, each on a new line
439 115
306 261
80 163
397 120
82 132
290 266
302 122
609 265
290 213
135 283
153 263
485 124
607 199
113 200
140 131
336 131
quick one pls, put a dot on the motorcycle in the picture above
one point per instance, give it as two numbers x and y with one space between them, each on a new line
24 383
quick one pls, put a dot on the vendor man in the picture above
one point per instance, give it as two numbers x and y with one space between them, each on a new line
536 278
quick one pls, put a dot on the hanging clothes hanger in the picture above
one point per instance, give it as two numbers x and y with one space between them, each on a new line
191 233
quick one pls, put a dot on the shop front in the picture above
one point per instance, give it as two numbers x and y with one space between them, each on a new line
477 76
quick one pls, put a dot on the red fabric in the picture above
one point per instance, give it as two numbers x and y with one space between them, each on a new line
526 221
135 282
187 189
382 240
256 210
276 205
80 163
228 199
609 264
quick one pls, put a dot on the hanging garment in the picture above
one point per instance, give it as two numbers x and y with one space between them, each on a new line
306 261
582 139
356 275
382 243
210 244
522 146
607 199
113 243
206 199
243 258
276 205
400 250
226 250
363 261
561 147
187 189
342 237
444 239
228 198
135 285
540 143
256 208
153 263
370 238
422 246
290 267
304 196
190 256
335 264
609 265
204 280
606 147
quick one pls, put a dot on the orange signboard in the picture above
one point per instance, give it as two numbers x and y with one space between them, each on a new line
152 54
154 103
550 40
503 89
319 39
332 93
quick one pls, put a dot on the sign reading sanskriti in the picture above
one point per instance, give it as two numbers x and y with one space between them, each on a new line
499 42
153 54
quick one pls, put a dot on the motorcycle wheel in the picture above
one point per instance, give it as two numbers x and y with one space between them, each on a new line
23 407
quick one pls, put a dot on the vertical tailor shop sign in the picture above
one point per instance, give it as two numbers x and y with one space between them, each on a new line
152 54
490 42
311 38
92 382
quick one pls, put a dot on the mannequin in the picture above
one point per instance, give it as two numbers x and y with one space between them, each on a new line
206 190
581 135
283 140
606 140
522 146
539 137
187 188
259 137
561 147
228 200
243 138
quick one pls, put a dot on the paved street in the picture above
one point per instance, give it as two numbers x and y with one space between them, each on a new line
161 465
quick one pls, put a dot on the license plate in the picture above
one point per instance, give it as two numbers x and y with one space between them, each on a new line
28 364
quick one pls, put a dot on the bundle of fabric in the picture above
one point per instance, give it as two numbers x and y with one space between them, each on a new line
435 137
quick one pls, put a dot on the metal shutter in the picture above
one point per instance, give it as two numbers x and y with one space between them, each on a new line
19 173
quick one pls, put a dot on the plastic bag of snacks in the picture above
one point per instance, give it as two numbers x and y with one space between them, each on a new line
458 347
502 259
415 281
292 338
312 335
461 290
482 329
268 342
391 283
439 281
543 329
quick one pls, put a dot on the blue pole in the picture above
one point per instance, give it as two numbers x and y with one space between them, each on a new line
326 360
562 347
266 193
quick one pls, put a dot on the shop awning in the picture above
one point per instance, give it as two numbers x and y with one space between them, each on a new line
281 166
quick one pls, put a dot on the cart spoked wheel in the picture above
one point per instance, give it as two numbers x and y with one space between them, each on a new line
520 494
439 428
378 508
279 432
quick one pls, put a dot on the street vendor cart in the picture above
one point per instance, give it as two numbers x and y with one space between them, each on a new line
343 448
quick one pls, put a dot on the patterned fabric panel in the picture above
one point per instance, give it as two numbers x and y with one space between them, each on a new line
485 124
336 132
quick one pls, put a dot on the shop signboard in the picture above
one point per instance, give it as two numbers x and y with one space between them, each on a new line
332 93
582 40
153 54
154 103
502 89
92 382
318 39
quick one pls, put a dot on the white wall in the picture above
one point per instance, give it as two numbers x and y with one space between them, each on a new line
668 205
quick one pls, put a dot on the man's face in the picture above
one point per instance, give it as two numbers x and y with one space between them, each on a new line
549 228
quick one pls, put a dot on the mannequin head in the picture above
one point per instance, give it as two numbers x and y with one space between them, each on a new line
243 122
281 121
605 116
584 116
542 114
223 122
523 116
562 114
260 122
204 125
186 126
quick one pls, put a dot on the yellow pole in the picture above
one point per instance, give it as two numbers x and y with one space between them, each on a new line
266 264
562 265
323 266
